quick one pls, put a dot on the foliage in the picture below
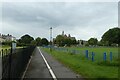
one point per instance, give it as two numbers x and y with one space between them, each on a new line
7 43
38 41
85 67
44 42
111 36
93 41
68 41
33 42
26 39
99 43
61 40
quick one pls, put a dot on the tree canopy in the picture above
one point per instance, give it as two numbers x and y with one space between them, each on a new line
93 41
61 40
26 39
38 41
44 42
111 36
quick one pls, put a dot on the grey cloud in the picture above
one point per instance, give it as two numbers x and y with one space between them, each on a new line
61 15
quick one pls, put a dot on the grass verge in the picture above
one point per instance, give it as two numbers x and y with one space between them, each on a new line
84 67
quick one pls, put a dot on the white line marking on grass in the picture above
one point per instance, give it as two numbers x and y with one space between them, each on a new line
48 66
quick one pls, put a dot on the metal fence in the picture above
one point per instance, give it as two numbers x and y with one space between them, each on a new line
14 62
89 55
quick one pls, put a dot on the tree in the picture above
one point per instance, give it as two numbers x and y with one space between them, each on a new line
38 41
112 36
44 42
26 39
63 40
93 41
33 42
68 41
100 43
60 40
82 42
7 43
74 42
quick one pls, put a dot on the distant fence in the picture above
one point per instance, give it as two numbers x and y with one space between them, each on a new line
86 53
14 63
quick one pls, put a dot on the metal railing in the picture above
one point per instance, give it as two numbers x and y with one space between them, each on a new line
14 62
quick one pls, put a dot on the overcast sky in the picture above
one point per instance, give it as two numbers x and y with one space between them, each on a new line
82 20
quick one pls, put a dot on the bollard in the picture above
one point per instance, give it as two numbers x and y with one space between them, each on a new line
87 54
110 56
104 57
93 56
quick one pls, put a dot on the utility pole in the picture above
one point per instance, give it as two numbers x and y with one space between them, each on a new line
51 39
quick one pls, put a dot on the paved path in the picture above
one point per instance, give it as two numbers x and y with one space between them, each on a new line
38 68
0 67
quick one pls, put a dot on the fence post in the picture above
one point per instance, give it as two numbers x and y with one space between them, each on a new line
74 51
93 56
86 54
5 52
2 53
104 56
110 56
10 61
67 50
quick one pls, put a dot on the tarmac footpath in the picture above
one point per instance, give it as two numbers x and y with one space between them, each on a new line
44 66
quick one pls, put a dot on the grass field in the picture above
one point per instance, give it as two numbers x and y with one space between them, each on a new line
79 64
99 52
4 48
7 47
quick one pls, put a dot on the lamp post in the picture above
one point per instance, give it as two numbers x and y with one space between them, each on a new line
50 38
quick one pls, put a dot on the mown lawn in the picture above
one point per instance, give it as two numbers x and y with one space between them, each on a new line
99 52
4 48
8 47
79 64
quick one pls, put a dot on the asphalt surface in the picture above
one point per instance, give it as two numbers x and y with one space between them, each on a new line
0 68
38 69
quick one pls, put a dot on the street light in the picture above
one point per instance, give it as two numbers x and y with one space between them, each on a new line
50 38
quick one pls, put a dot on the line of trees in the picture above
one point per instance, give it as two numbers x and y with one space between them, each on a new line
93 41
61 40
109 38
27 40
